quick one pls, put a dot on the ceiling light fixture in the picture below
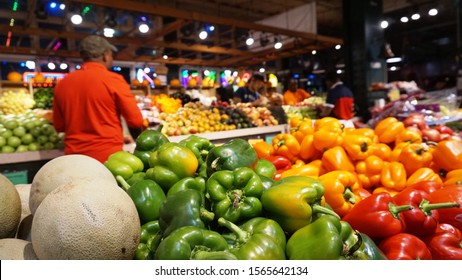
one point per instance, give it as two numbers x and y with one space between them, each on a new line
203 34
76 19
262 70
277 43
108 32
337 47
63 66
51 65
249 41
384 24
313 52
143 28
165 56
415 16
404 19
433 12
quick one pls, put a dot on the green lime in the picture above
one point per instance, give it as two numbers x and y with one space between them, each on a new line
13 141
7 149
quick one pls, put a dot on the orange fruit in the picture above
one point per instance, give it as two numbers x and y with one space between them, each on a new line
14 77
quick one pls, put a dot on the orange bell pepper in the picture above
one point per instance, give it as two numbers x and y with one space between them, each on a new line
453 177
394 156
286 144
448 154
393 176
341 190
357 146
366 131
423 174
263 149
309 170
327 122
303 128
415 156
388 129
318 163
327 137
410 136
337 159
381 150
298 163
369 171
307 150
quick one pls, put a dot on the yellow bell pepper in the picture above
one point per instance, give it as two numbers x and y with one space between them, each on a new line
366 131
409 135
309 170
307 150
286 144
453 177
337 159
381 150
392 192
327 137
327 122
303 128
423 174
388 129
263 149
358 147
341 190
393 176
415 156
369 171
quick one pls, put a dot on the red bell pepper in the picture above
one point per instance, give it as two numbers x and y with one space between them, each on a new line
377 216
280 162
451 216
428 186
405 246
423 219
445 243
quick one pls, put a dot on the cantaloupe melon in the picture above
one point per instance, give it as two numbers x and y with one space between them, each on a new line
16 249
86 219
24 228
10 208
24 192
64 169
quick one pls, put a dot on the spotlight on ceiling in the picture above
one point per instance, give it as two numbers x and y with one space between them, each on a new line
404 19
51 65
384 24
249 41
108 32
203 34
76 19
433 12
415 16
63 66
277 43
143 28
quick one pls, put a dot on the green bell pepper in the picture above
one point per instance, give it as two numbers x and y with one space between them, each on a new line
200 146
192 243
232 154
359 246
183 208
136 177
294 201
147 196
150 237
123 163
170 163
320 240
235 195
256 239
267 182
265 168
147 142
188 183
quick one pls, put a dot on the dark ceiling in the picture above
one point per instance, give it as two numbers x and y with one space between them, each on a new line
175 24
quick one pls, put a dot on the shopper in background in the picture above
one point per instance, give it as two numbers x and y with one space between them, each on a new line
294 95
88 104
339 100
250 92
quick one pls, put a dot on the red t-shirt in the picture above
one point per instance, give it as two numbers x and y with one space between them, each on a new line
87 106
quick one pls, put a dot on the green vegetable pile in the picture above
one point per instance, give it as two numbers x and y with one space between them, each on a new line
43 98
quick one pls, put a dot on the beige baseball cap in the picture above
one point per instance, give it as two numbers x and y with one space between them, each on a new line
95 46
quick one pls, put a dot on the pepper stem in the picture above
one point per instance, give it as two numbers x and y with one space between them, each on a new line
212 255
321 209
159 127
206 215
349 196
427 207
125 186
395 210
241 234
214 164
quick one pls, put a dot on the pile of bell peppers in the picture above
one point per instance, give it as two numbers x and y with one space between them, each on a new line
320 191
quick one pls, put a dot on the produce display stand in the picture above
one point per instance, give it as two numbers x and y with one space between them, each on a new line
22 167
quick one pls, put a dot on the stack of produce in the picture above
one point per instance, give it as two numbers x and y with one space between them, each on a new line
300 197
27 132
43 98
16 103
260 116
308 108
166 103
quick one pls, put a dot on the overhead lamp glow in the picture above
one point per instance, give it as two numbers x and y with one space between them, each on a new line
108 32
203 35
30 64
384 24
147 69
394 59
277 43
76 19
262 70
415 16
51 66
249 41
62 7
53 5
313 52
339 71
404 19
433 12
165 56
337 47
393 68
63 66
143 28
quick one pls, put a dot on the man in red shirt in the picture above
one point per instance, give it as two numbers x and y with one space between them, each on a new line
88 104
339 100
